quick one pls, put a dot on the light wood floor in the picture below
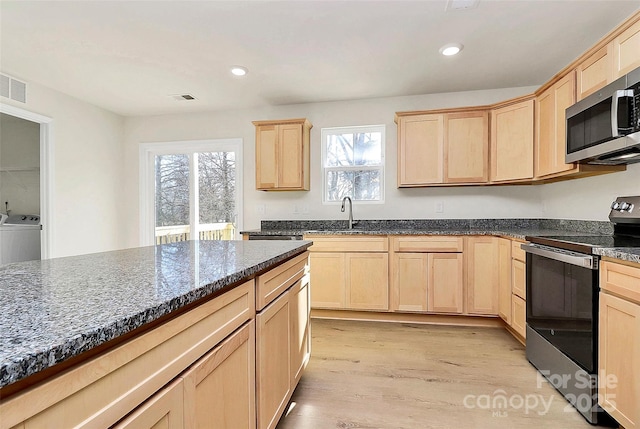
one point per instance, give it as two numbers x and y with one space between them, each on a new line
388 375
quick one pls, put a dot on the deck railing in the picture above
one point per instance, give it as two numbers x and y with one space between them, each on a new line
208 231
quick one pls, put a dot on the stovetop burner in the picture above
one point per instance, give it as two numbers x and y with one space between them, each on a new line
625 214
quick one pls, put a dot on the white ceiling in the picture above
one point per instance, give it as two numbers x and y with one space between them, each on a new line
128 56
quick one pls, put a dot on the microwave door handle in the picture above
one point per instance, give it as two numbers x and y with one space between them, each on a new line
615 129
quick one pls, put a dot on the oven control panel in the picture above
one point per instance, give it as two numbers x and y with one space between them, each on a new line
625 210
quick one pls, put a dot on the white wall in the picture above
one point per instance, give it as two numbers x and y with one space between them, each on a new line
19 165
589 198
88 201
459 202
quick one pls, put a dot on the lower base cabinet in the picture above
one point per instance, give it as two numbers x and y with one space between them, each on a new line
165 410
519 315
200 397
282 351
619 343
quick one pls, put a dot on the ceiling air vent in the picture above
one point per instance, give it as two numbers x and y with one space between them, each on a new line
13 88
182 97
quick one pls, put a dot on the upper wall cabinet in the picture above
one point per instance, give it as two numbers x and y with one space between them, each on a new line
551 126
606 63
442 148
512 142
594 72
282 155
626 50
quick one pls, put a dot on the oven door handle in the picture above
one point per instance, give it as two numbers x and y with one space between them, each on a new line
585 261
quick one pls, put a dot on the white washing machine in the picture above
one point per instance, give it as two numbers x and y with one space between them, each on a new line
20 239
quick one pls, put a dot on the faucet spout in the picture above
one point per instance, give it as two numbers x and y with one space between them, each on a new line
344 200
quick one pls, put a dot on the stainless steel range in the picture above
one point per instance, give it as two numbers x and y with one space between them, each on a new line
562 305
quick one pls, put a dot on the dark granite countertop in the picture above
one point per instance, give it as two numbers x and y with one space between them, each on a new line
55 309
630 254
511 228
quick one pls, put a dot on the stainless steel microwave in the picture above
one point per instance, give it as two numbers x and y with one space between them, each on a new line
604 128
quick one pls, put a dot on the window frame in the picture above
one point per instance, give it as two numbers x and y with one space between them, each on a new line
325 132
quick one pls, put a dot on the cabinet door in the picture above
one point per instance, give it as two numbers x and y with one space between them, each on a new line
367 281
512 142
504 279
445 282
300 328
164 410
273 361
482 275
618 358
328 279
519 315
290 156
626 51
595 72
266 157
519 279
420 149
228 371
551 127
466 147
410 281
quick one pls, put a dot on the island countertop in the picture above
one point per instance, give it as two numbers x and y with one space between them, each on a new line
56 309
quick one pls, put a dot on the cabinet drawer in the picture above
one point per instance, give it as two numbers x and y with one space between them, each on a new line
519 279
427 243
272 283
344 243
517 252
104 389
621 280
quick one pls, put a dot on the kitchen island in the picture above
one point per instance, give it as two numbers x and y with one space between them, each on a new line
76 321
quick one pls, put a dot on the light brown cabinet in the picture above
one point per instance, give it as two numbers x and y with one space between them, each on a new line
466 147
349 272
551 126
504 279
594 72
283 341
427 274
512 142
519 316
282 155
226 371
619 342
165 410
443 148
420 149
483 276
626 50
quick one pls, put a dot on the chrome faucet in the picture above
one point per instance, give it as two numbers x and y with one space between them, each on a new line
351 222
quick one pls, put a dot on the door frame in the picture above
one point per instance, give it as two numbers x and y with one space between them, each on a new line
148 151
46 173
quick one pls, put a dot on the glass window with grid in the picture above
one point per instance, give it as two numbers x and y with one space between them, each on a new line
353 163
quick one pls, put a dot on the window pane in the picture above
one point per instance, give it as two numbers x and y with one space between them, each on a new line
339 150
366 185
367 148
217 189
339 185
172 190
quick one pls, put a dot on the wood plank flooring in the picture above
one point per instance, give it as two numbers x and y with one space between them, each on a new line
405 376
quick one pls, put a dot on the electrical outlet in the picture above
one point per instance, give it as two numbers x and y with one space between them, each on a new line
304 209
261 208
439 207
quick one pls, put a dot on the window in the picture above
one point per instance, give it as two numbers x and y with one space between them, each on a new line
192 190
353 163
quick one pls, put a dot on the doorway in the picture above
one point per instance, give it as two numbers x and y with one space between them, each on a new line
25 173
190 191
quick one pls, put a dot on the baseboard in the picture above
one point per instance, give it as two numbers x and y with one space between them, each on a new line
432 319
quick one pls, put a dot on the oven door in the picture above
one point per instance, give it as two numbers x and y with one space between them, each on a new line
562 301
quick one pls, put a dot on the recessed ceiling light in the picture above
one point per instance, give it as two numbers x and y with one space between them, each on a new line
239 70
451 49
